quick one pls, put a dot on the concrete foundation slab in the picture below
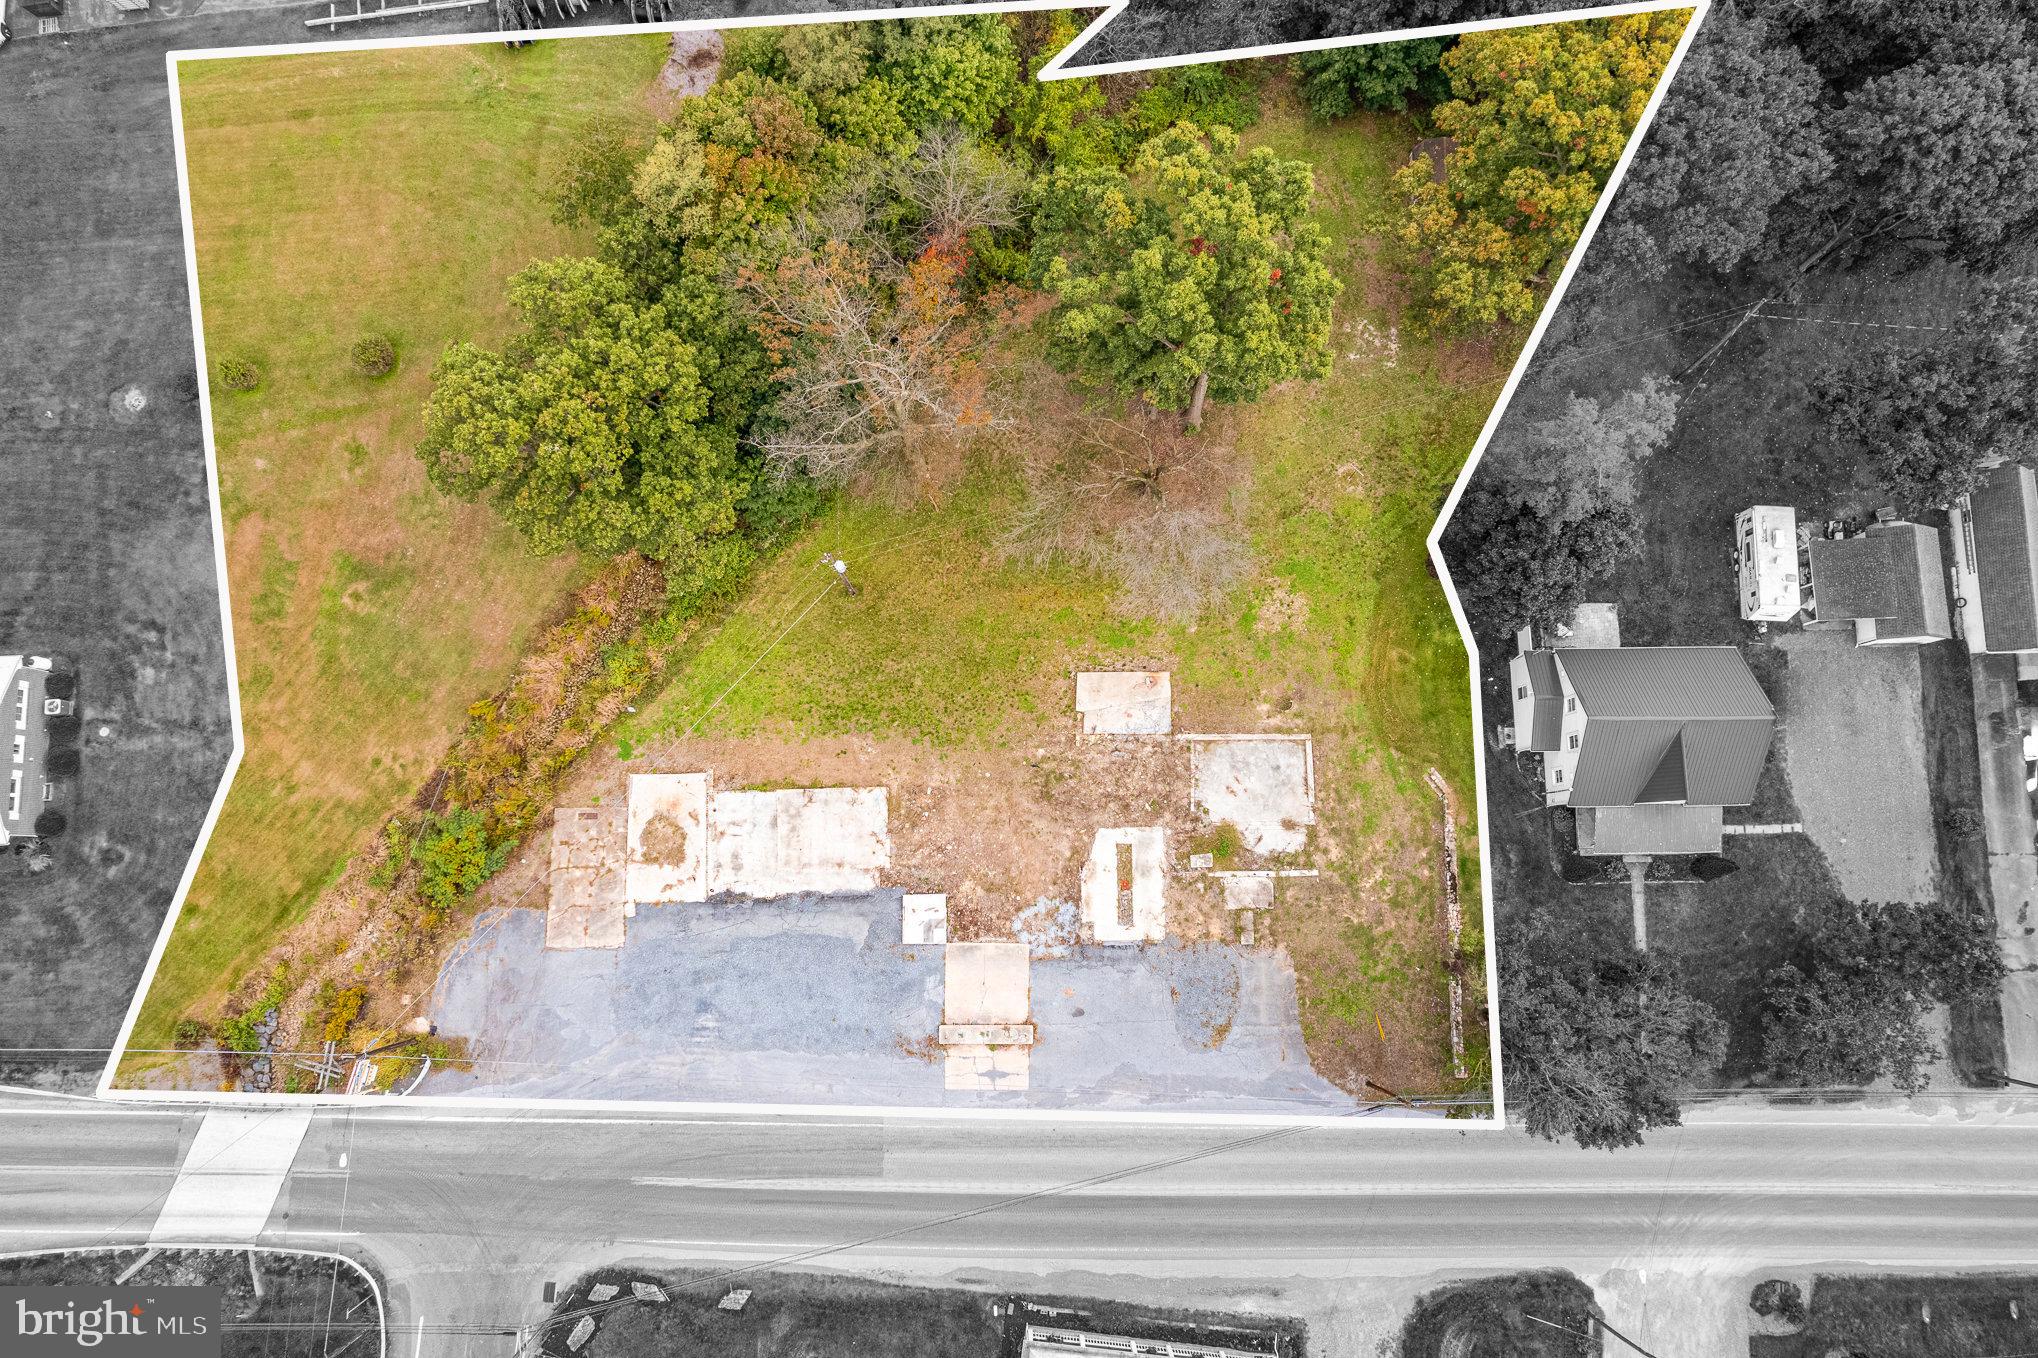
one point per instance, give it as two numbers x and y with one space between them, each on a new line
1248 893
1139 703
1264 785
1123 896
923 918
987 983
668 844
822 840
588 901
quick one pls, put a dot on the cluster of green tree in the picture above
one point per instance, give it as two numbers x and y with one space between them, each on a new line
1830 131
1849 1008
1601 1043
1537 121
1553 508
799 277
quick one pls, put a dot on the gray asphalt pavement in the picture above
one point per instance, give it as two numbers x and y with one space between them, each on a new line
466 1216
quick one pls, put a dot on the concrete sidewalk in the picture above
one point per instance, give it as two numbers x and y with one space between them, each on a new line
2012 853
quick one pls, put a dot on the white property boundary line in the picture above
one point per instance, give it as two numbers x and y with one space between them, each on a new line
1056 68
150 1246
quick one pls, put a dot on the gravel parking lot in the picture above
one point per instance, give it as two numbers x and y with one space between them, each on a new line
1853 737
814 1000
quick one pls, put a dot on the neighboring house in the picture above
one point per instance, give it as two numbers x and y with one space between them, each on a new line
25 709
1889 581
1995 561
1765 558
1641 725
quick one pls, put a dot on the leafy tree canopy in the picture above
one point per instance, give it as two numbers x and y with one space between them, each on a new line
1851 1009
1380 76
1948 150
1601 1048
592 428
1739 136
1934 418
1586 457
1512 565
1540 118
1195 267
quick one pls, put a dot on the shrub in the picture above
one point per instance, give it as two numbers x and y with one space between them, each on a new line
1965 822
50 824
1775 1297
190 1034
455 860
374 356
63 763
238 374
339 1009
61 686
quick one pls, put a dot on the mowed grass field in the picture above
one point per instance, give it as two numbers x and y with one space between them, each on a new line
337 196
951 643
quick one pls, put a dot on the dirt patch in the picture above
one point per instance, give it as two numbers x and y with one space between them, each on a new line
663 840
690 72
998 830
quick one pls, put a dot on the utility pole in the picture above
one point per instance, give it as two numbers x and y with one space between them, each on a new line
2002 1079
841 569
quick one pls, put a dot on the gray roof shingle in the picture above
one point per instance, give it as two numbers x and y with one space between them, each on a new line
1893 574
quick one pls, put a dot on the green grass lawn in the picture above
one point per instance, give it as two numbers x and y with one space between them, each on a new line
951 643
336 196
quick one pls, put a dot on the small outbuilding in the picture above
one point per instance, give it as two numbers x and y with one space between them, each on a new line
1889 581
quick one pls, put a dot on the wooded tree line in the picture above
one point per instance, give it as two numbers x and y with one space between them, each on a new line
1814 134
800 277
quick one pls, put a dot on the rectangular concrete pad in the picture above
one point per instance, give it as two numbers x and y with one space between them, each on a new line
588 899
827 840
1100 886
923 918
680 802
1125 704
1263 785
987 983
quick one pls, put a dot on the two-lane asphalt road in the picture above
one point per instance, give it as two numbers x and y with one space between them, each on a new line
466 1214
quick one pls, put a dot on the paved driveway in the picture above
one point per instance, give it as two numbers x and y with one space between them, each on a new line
1853 738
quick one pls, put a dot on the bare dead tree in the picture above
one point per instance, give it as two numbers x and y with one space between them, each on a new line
873 354
1174 563
959 185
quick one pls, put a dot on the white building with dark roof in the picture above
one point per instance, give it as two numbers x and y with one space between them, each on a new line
1642 725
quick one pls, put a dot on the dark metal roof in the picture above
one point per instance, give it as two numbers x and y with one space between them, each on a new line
1548 692
1894 574
2003 511
1668 723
